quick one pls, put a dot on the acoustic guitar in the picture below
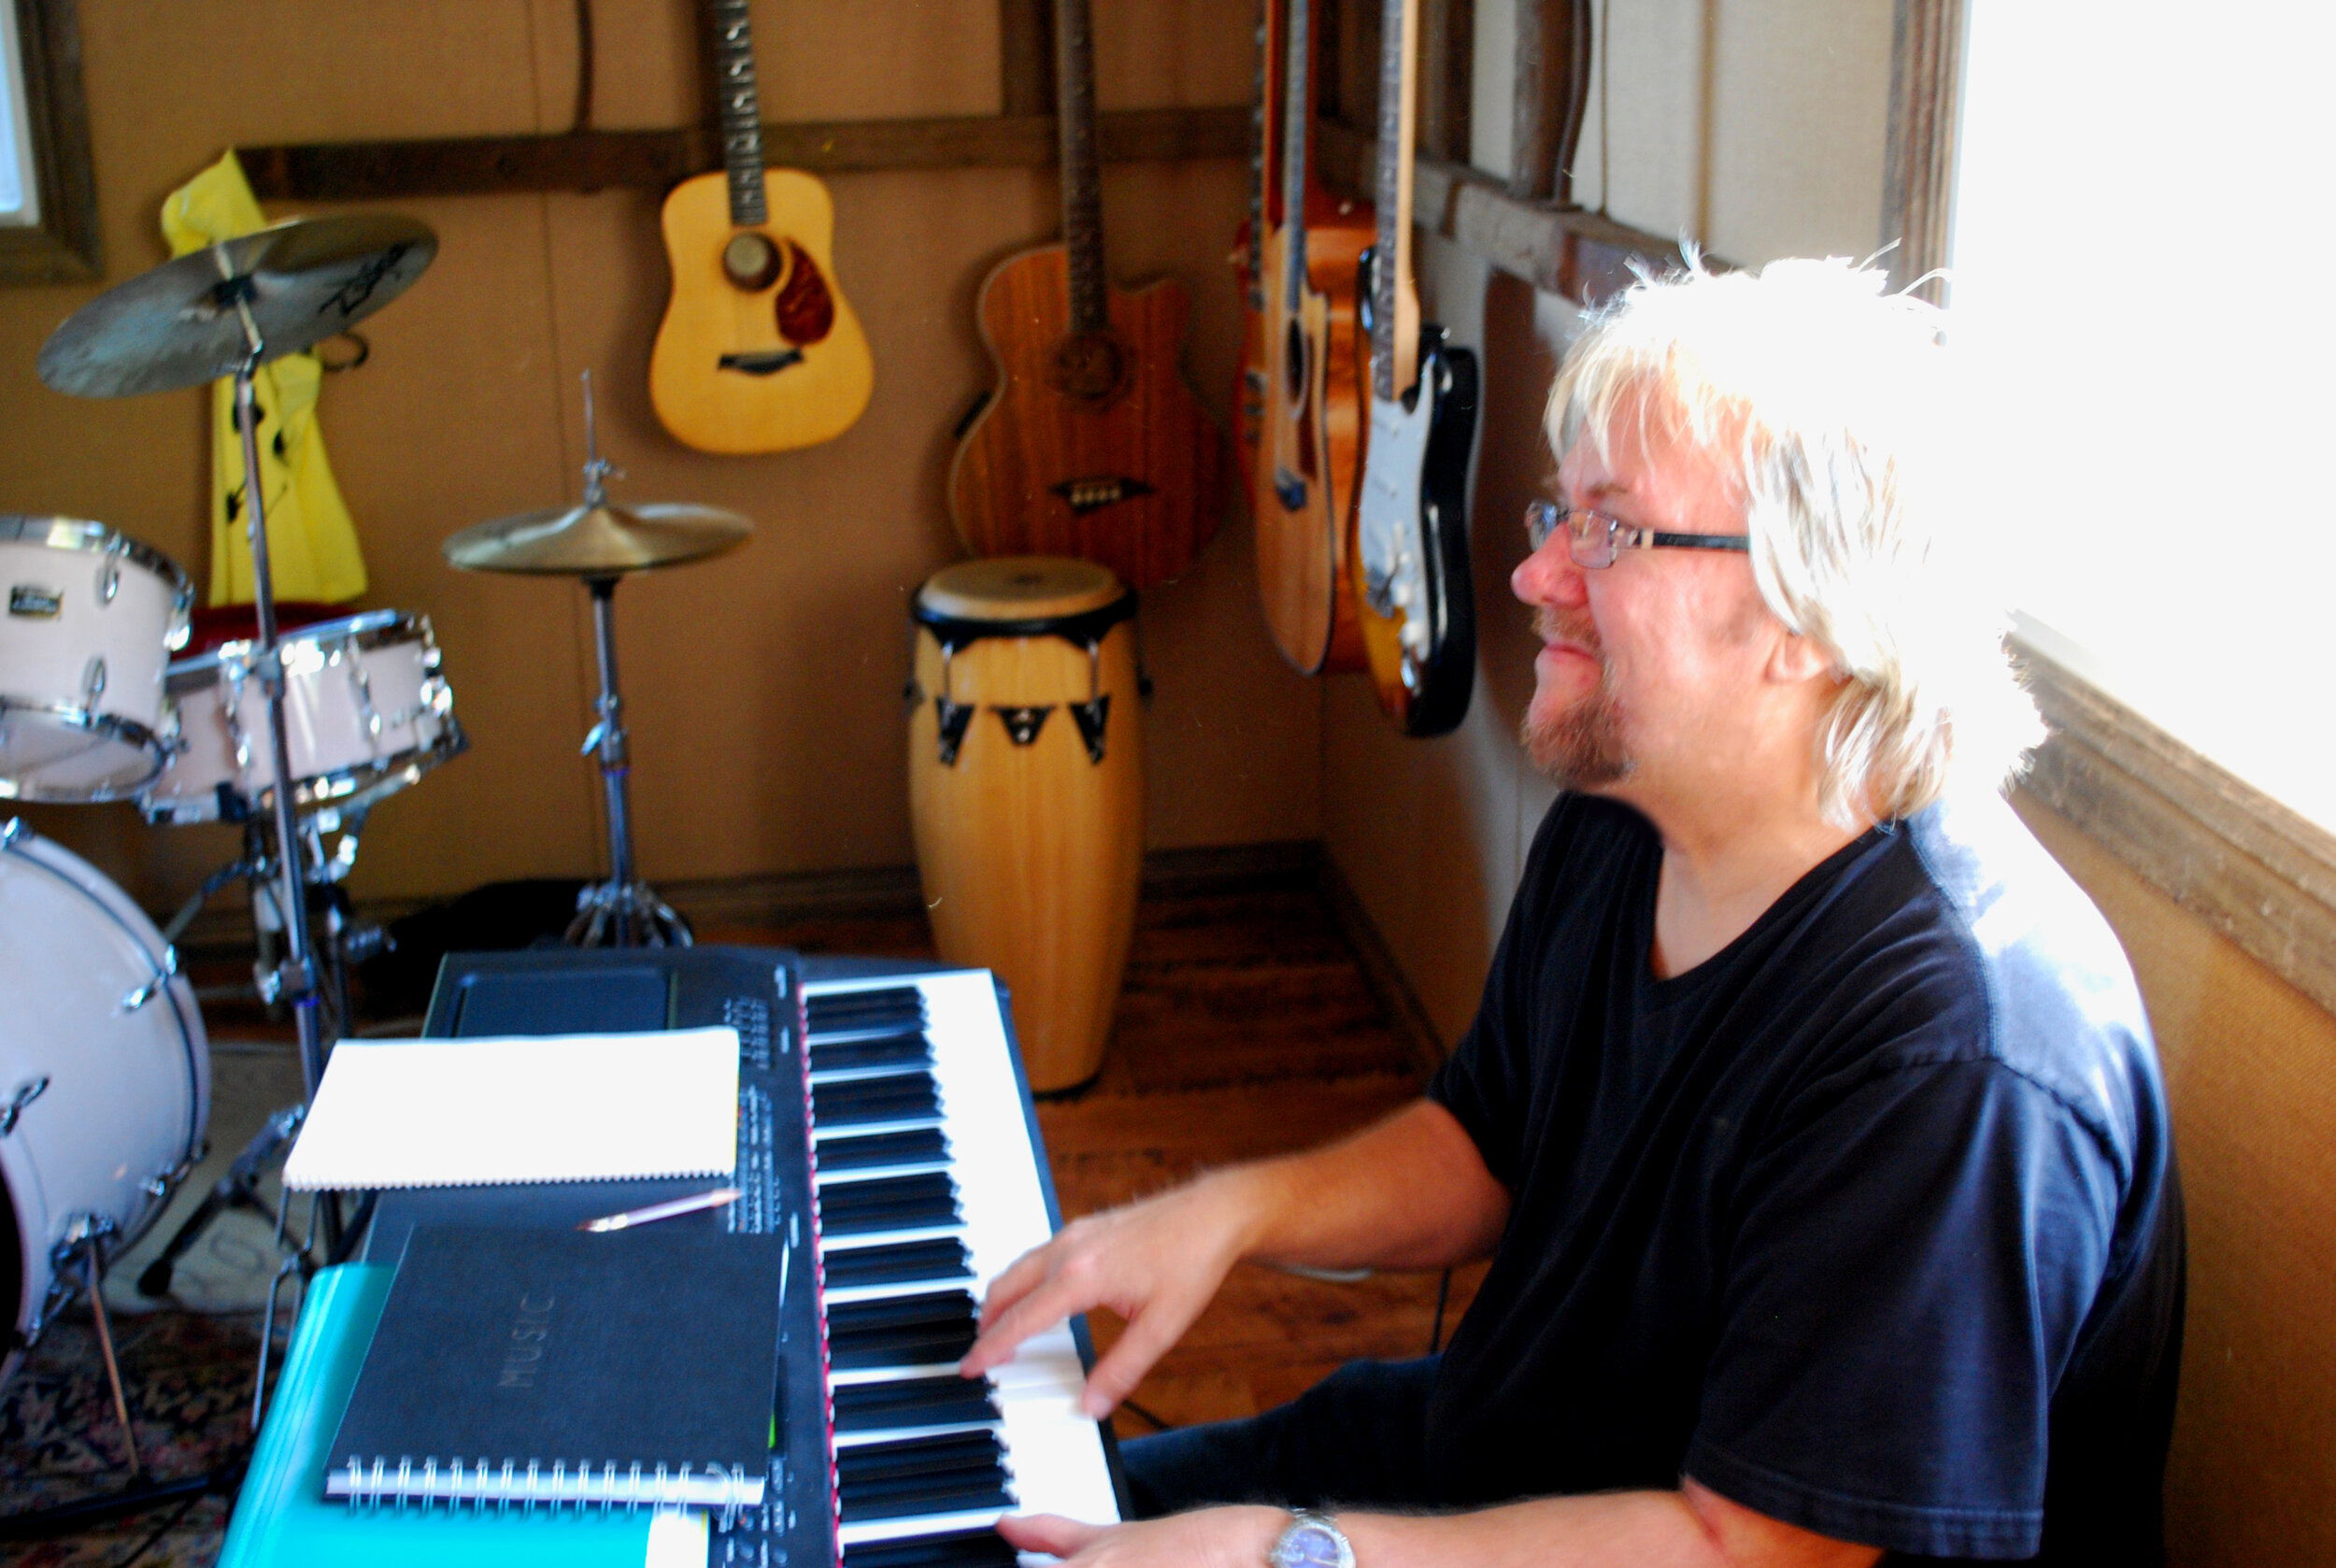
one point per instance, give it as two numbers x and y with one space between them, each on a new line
759 352
1415 601
1309 451
1090 443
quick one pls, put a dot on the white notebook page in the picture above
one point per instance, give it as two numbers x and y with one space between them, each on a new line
551 1107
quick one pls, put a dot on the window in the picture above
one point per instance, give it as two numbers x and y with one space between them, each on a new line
19 201
2141 229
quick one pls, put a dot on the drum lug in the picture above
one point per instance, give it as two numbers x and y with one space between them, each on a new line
26 1092
953 717
1091 717
1023 723
10 829
133 1000
93 678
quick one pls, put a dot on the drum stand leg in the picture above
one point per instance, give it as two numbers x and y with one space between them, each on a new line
105 1348
238 1189
623 911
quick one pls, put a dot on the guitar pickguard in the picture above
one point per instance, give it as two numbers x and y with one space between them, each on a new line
805 309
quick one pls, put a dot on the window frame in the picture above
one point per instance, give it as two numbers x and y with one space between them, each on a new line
63 247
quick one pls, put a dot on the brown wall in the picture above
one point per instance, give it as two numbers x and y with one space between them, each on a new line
764 689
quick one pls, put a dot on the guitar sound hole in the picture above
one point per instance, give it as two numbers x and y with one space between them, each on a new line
751 262
805 307
1089 367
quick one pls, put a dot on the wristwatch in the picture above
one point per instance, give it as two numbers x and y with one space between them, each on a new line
1311 1541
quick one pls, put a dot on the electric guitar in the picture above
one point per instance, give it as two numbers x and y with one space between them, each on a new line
759 350
1091 444
1416 600
1309 451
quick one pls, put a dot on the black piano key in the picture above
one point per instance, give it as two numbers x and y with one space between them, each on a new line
894 1348
907 1097
915 1504
836 1012
898 1203
954 1548
924 1309
946 1454
917 1401
911 1145
912 1047
903 1263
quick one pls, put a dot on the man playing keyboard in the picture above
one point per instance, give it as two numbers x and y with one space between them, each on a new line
1810 1118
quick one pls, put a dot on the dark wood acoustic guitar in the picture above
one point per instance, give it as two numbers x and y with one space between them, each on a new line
759 350
1091 444
1414 597
1309 451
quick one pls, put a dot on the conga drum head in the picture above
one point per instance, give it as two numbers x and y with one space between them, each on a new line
1019 588
1026 791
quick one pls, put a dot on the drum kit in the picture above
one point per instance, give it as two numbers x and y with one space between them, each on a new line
291 720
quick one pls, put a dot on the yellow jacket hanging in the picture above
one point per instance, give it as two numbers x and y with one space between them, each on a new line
312 541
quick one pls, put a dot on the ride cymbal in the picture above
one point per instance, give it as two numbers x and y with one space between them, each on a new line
179 326
598 541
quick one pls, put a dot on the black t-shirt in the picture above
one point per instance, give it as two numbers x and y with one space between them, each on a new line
1867 1222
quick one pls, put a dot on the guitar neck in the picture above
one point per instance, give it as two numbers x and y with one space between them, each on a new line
1082 180
1297 127
741 108
1394 310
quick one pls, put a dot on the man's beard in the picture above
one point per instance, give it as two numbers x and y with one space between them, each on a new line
1582 748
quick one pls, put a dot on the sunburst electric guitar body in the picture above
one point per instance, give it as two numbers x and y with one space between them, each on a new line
759 350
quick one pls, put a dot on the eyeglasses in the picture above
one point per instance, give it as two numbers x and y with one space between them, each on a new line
1594 539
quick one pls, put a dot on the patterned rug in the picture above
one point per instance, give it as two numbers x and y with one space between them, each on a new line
188 1382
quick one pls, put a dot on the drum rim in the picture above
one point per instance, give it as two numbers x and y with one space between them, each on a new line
1079 627
361 784
113 726
97 538
368 629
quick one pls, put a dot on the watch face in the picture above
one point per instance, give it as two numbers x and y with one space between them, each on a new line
1308 1545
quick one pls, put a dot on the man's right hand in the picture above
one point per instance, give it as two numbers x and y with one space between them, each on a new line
1157 1263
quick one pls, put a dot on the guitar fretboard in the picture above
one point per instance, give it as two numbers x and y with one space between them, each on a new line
741 112
1398 29
1297 121
1082 184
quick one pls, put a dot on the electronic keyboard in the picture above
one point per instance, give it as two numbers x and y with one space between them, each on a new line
886 1129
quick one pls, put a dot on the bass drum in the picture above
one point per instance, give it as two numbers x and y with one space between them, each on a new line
105 1073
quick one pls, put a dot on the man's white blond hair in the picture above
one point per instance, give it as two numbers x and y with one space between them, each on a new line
1825 400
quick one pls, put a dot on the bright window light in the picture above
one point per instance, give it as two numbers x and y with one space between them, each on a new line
2142 221
20 194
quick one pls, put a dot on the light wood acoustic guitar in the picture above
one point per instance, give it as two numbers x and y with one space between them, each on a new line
1309 451
759 352
1414 597
1090 443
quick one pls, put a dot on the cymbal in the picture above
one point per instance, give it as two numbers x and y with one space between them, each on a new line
177 325
598 541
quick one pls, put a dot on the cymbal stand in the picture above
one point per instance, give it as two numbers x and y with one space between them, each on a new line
623 911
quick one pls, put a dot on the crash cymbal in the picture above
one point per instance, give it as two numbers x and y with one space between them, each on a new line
177 325
598 541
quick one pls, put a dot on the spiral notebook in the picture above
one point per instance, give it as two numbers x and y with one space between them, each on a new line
633 1369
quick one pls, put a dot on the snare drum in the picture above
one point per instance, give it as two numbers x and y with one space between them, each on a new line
91 618
1026 791
366 712
105 1073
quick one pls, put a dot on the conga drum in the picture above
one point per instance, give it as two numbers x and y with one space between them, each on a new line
1026 789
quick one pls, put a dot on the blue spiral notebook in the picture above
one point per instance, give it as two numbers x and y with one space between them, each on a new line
283 1520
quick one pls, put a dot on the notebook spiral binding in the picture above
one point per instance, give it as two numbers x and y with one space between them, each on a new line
485 1483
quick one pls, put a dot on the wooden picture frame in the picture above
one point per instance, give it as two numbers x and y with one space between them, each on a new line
62 247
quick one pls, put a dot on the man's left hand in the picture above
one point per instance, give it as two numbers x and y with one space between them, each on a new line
1207 1538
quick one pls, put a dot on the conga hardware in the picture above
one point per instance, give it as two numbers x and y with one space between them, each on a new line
1085 631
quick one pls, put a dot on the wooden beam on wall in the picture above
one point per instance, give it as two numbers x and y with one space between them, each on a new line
604 160
1585 256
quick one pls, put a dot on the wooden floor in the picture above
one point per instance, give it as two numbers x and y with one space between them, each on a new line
1246 1028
